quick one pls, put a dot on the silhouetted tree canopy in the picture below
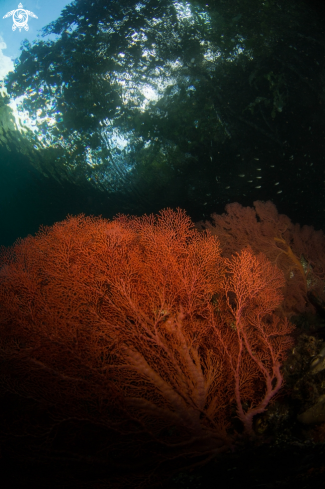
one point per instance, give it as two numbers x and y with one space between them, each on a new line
172 101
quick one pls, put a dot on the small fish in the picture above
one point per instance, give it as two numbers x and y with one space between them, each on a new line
258 186
277 183
258 177
241 175
228 187
280 192
257 159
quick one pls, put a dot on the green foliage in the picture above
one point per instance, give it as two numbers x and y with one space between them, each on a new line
277 86
91 85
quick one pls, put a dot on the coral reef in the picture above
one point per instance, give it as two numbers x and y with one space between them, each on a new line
140 329
297 251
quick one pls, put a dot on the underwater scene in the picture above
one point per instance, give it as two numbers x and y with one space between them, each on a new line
162 246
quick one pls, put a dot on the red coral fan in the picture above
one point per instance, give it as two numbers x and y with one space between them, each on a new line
297 251
139 327
254 339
